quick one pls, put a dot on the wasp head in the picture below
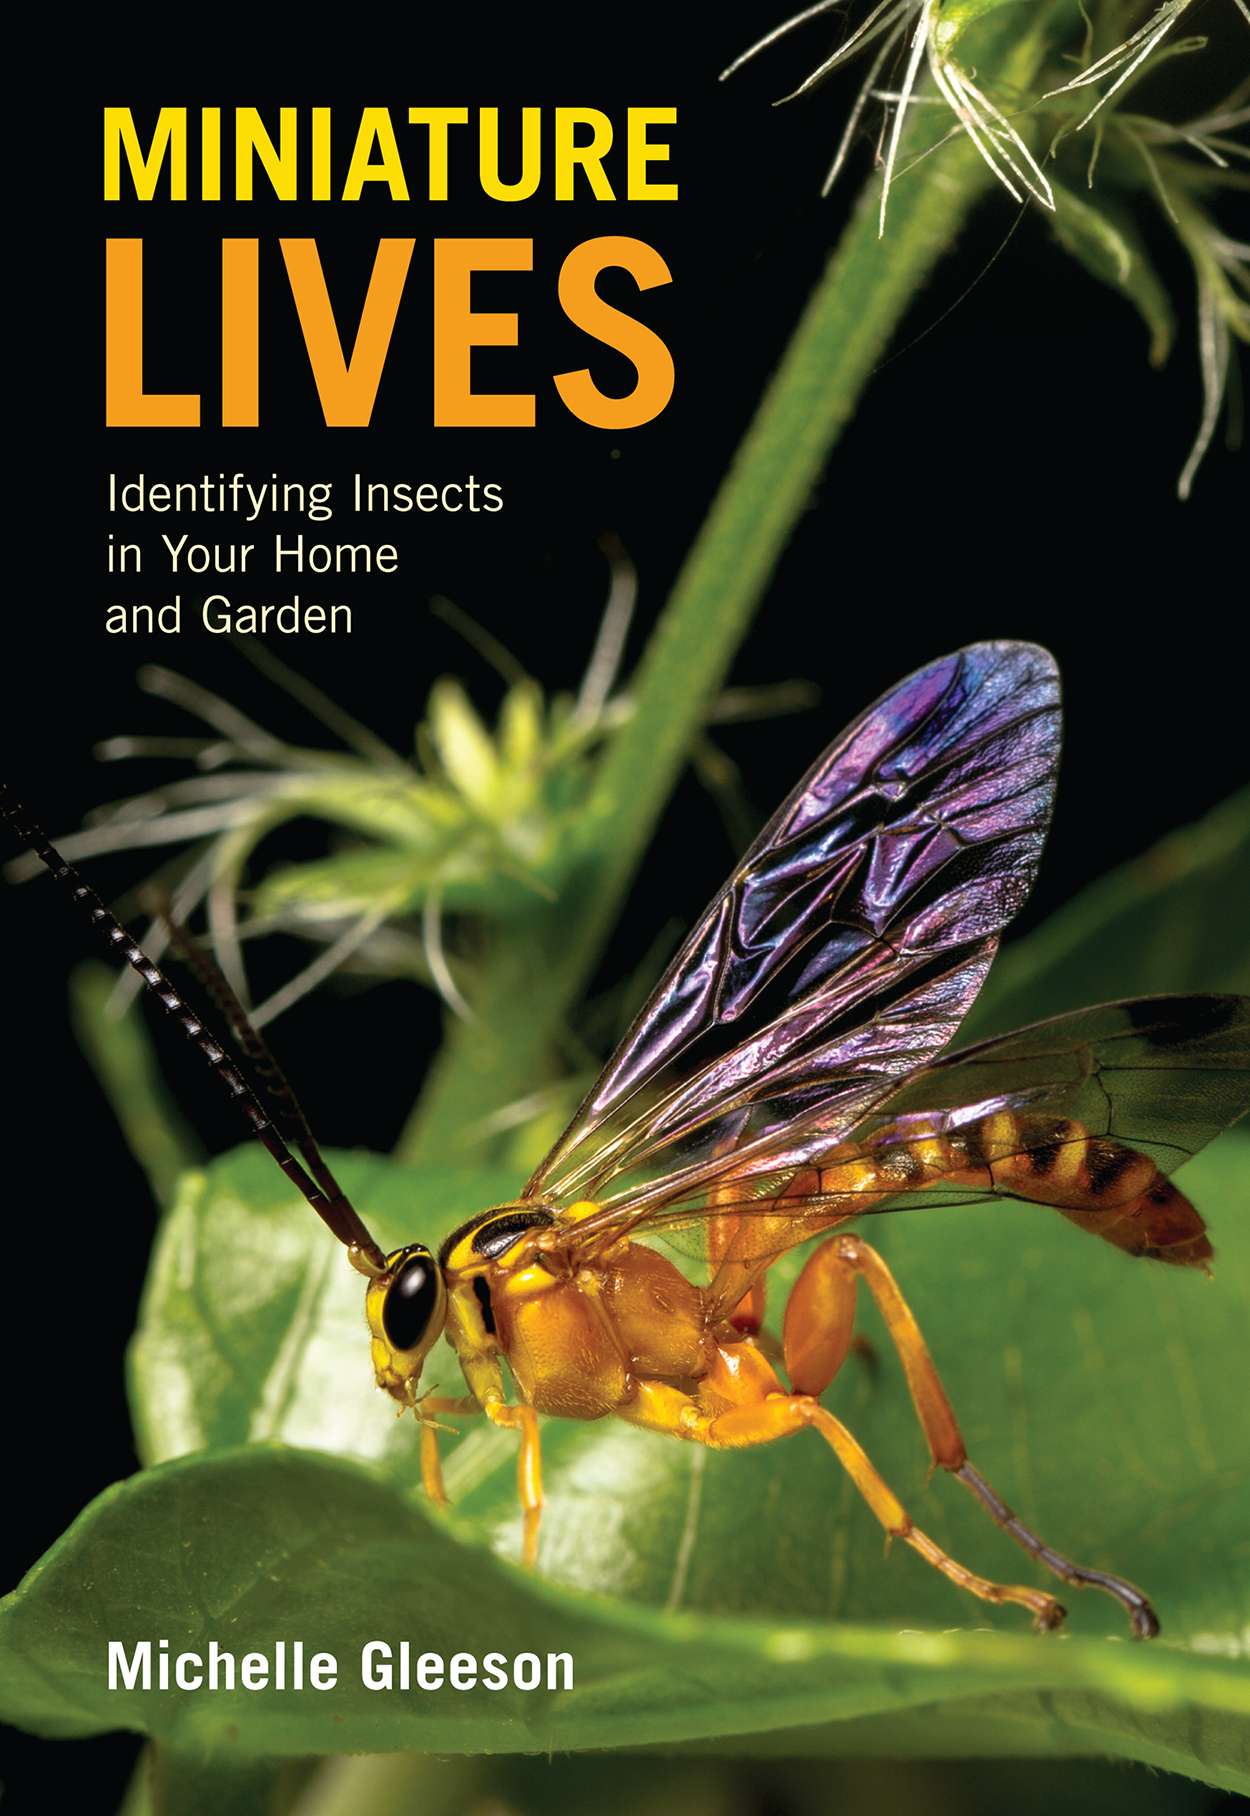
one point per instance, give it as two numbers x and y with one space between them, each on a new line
406 1308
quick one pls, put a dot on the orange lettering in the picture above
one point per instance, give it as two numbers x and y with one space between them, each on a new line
126 404
584 306
457 331
347 391
240 334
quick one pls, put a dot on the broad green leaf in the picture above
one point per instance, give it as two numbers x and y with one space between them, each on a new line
243 1548
662 1784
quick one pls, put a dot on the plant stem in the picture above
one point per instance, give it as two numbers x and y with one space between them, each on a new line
121 1055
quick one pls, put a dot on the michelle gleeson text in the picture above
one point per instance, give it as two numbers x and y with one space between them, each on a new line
294 1665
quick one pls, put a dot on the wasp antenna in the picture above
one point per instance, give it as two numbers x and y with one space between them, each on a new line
277 1085
331 1206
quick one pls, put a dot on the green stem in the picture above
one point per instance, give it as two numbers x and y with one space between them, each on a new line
539 966
122 1058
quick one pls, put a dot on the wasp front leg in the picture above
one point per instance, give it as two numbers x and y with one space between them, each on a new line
817 1335
431 1462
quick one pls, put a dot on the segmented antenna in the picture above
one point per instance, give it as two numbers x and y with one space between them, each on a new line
277 1086
321 1190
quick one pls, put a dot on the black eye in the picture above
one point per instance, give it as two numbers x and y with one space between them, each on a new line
410 1301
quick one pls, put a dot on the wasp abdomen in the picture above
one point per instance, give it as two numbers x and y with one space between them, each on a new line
1097 1182
1107 1188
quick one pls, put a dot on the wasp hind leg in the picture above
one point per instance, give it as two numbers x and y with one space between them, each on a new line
764 1412
818 1323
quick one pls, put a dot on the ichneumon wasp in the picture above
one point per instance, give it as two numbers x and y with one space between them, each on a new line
788 1075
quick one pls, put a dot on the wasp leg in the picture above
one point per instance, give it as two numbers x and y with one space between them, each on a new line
659 1407
431 1463
481 1370
817 1336
529 1470
738 1290
1145 1620
818 1327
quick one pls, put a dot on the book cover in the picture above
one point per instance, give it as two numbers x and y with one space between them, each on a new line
389 408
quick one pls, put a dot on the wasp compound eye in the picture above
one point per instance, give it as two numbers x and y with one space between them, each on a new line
410 1301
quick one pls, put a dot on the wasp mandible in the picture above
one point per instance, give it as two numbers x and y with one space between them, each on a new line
788 1075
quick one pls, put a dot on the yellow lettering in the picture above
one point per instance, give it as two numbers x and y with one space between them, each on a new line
321 154
171 132
280 166
210 154
639 154
488 154
590 157
375 126
438 119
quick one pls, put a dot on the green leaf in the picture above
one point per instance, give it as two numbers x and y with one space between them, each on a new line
1107 244
246 1547
661 1783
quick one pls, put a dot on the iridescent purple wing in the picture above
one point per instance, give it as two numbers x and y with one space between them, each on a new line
847 947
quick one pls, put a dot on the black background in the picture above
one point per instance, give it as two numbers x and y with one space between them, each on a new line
1012 472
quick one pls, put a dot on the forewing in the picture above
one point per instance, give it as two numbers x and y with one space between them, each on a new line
846 948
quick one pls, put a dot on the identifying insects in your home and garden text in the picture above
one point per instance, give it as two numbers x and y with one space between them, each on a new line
786 1077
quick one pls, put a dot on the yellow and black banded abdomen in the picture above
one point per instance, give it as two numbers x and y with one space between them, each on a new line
1097 1182
1112 1190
